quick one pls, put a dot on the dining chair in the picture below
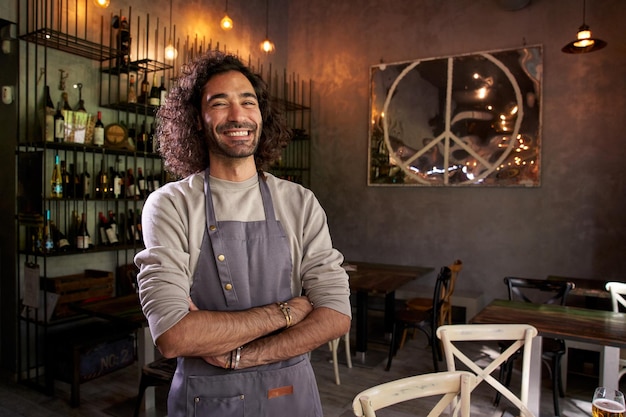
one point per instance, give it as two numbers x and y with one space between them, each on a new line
540 291
426 303
618 302
520 336
450 385
334 347
425 321
157 373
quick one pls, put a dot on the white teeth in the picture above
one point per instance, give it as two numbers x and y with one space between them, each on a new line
237 133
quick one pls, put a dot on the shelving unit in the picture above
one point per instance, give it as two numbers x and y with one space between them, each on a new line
90 272
42 48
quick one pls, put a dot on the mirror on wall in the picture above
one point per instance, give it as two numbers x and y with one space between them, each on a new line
467 120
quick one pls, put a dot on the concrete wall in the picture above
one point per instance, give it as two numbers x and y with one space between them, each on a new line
574 224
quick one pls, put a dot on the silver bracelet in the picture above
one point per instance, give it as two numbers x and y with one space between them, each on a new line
237 353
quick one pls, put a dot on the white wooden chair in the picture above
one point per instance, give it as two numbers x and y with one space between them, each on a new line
334 346
618 290
449 385
520 336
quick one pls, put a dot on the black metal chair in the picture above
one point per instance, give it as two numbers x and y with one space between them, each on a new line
425 321
544 292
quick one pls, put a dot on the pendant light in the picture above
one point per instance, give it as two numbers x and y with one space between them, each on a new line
267 45
170 51
102 3
226 23
584 42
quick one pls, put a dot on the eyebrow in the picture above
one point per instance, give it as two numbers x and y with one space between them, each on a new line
224 95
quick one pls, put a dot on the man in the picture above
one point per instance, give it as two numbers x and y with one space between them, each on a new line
229 251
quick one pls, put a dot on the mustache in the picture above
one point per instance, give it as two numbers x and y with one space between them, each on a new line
235 125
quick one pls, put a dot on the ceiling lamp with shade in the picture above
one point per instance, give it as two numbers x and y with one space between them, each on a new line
584 42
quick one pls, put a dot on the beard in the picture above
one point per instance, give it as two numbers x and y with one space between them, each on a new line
238 150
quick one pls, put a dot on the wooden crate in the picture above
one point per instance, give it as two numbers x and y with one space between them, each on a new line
91 285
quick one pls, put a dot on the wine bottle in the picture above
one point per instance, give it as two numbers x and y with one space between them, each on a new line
60 241
74 180
65 178
138 228
56 181
66 103
140 140
85 180
111 229
156 183
117 181
72 231
48 240
145 89
98 131
59 125
48 117
102 226
131 230
102 183
155 94
141 183
123 43
83 239
131 186
150 139
162 91
132 91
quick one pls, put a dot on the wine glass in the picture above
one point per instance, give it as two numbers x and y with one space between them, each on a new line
608 403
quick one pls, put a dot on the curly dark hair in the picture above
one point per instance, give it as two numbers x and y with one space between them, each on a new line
182 144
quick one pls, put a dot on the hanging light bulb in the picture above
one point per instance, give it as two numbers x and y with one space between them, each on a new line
226 23
267 45
170 51
102 3
584 42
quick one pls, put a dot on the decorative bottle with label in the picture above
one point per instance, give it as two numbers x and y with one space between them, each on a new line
98 131
56 181
59 125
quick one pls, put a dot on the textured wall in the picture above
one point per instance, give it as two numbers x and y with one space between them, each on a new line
574 224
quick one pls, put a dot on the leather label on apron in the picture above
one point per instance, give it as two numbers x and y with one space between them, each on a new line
280 391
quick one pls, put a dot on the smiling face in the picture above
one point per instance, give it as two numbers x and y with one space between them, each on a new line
231 116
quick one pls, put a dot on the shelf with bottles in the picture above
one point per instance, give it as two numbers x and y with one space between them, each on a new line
118 188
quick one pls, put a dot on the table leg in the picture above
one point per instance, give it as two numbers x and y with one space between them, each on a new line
609 367
534 390
361 325
390 312
145 355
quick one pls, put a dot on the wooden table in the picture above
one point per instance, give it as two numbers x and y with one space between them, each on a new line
585 287
126 310
603 328
368 279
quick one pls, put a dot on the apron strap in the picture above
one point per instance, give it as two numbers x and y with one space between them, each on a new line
221 261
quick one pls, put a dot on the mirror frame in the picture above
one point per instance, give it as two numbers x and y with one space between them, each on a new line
464 120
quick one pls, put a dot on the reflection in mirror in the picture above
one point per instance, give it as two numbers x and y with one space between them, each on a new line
467 120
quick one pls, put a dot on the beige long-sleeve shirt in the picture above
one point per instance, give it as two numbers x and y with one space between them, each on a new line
174 221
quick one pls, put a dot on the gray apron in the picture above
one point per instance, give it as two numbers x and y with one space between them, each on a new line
243 265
